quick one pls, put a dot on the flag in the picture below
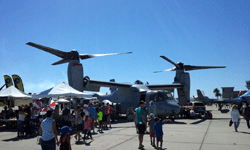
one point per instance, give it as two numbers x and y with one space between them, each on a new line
52 105
8 81
18 82
240 92
38 106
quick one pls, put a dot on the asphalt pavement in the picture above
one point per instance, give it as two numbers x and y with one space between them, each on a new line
183 134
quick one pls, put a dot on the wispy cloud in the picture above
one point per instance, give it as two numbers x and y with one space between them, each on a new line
39 87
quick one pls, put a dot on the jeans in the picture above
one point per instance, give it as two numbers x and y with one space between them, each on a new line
247 120
236 124
49 145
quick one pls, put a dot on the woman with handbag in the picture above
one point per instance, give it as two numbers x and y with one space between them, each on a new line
235 115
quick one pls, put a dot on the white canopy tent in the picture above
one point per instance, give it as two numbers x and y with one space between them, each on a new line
61 90
13 92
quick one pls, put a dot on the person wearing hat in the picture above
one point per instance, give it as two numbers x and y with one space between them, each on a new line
65 138
158 130
141 123
49 133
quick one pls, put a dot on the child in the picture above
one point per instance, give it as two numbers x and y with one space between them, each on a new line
158 130
100 114
87 127
65 138
78 122
151 124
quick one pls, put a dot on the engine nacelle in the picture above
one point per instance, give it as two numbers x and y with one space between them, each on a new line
184 93
75 74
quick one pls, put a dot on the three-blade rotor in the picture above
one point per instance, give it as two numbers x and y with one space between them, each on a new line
67 56
181 66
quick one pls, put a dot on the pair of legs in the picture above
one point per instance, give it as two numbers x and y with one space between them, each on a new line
92 125
87 132
79 128
159 140
100 125
141 130
247 120
109 120
236 125
152 138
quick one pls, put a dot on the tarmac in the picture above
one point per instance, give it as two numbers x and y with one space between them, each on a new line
183 134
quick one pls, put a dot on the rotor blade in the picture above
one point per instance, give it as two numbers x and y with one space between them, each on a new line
61 61
86 56
48 49
189 68
169 61
172 69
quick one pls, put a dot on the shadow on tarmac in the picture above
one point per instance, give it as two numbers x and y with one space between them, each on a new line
244 132
176 122
199 121
17 138
224 111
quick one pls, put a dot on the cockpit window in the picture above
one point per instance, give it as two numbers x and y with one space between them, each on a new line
163 96
153 97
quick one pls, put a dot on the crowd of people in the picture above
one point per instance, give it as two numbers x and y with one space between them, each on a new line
83 118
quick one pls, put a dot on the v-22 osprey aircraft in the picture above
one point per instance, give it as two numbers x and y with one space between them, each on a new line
129 95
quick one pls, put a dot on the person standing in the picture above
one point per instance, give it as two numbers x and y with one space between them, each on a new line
65 138
78 122
66 114
246 114
141 123
49 133
104 118
21 119
151 124
235 115
93 115
158 131
109 112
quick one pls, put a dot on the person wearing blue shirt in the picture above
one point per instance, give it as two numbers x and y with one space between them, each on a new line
49 132
158 130
93 115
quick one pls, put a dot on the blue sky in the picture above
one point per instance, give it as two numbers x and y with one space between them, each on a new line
195 32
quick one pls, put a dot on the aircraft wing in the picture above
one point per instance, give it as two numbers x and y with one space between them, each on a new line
164 86
94 85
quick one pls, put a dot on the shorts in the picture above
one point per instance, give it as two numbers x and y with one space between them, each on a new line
141 128
92 122
79 126
99 122
152 134
104 118
159 139
49 145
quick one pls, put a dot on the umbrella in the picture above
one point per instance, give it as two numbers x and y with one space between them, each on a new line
62 101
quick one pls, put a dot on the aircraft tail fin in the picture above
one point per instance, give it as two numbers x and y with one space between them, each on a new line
18 82
200 95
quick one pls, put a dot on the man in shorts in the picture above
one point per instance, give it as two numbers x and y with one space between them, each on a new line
141 123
